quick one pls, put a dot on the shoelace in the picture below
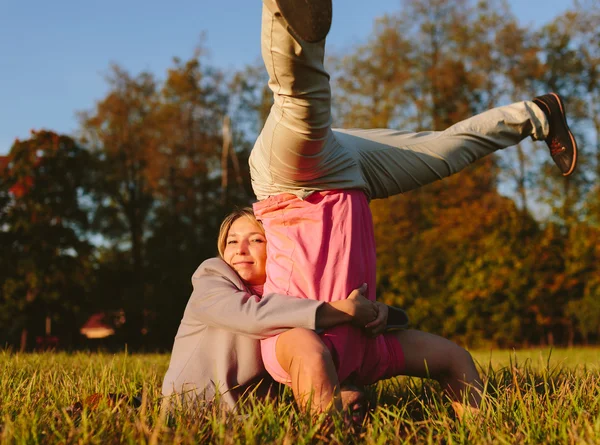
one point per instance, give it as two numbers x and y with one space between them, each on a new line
556 147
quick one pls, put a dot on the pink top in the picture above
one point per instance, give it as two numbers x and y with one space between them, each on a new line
322 248
319 248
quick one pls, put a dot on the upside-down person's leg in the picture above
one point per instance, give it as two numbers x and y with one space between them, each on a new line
395 162
309 20
298 153
289 148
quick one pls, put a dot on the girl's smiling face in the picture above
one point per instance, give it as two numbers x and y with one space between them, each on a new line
246 251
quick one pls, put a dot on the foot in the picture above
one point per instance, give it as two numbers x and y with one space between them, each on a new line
560 140
463 411
354 403
310 20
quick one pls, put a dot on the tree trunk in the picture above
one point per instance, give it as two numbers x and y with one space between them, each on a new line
136 304
29 298
23 346
571 335
224 159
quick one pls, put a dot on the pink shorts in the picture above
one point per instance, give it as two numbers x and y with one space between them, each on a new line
357 358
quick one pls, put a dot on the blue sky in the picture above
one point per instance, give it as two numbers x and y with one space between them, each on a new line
54 55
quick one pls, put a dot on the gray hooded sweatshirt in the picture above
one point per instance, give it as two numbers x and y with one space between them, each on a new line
217 348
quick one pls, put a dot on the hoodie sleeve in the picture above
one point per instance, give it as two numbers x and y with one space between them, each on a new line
218 301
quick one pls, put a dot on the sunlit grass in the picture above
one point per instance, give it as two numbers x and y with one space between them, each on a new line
534 396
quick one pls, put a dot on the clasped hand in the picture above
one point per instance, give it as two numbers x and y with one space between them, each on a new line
369 315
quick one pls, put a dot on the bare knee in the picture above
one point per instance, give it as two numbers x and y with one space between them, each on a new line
465 358
304 348
310 366
313 359
462 365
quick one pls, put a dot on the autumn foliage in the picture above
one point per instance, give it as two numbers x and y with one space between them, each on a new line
506 253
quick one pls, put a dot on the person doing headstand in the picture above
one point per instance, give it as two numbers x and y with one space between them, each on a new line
314 183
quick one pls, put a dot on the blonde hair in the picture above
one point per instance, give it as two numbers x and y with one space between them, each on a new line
245 212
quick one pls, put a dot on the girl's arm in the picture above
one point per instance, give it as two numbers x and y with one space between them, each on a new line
218 301
356 309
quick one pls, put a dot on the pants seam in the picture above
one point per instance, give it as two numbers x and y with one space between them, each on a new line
278 121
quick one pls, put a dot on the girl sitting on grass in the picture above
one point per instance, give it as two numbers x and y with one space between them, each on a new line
217 351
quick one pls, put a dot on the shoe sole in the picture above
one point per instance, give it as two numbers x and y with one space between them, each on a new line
564 119
310 20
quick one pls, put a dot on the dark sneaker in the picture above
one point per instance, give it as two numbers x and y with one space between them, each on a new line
560 140
310 20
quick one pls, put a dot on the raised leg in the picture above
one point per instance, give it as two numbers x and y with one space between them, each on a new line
308 20
293 145
395 162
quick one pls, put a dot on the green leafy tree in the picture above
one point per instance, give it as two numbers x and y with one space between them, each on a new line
187 180
171 158
121 132
45 258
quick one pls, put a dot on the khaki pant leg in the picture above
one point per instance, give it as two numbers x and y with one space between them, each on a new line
295 141
297 152
393 162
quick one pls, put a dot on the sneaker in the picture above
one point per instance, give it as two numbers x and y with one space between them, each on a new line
560 140
310 20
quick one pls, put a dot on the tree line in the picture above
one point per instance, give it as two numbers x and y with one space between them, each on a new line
116 218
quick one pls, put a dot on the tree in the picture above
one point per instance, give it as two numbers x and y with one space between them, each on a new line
46 260
160 188
429 67
187 180
122 134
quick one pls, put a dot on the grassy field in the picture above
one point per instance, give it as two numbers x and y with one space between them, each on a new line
534 396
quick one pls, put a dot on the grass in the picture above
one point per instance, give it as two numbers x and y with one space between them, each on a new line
534 396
